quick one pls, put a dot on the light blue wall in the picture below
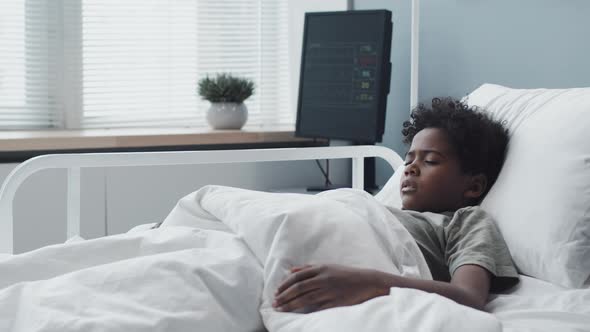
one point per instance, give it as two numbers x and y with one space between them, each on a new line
465 43
522 44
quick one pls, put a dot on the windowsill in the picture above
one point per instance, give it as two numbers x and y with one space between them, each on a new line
21 145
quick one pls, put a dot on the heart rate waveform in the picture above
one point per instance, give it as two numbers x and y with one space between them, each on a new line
340 73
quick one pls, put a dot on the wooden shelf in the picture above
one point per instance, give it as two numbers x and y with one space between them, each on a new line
129 138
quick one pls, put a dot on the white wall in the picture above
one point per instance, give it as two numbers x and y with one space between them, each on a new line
114 200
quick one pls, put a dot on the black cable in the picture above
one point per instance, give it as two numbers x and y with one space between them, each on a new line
326 174
328 182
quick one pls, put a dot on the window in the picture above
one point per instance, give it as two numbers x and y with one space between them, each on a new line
142 59
29 64
112 63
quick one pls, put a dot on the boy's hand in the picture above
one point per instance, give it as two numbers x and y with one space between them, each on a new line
318 287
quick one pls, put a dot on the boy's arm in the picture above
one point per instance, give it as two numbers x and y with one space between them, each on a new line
469 286
320 287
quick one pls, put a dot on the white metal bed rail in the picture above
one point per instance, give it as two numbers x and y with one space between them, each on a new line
75 162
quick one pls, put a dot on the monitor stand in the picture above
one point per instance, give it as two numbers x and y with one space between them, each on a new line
370 182
328 185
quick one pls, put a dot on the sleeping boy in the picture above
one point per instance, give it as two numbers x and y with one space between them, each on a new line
455 156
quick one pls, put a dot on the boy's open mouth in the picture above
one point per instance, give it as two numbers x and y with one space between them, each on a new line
408 186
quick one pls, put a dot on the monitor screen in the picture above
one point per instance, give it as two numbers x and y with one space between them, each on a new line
345 75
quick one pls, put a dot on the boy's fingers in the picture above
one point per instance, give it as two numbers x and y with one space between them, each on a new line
299 268
296 277
306 300
296 291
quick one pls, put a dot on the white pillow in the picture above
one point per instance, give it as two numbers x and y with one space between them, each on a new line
541 200
389 194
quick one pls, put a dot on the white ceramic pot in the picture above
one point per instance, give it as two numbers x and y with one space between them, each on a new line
227 115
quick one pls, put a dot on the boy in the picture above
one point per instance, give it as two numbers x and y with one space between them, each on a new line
455 156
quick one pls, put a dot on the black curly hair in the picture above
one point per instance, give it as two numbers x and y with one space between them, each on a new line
479 141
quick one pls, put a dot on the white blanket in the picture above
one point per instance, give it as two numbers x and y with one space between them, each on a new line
173 279
215 264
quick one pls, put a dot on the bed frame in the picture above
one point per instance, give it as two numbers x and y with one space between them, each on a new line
73 163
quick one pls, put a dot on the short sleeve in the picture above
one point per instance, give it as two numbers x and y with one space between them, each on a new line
473 238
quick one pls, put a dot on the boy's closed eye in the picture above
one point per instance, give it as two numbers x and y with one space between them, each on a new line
427 161
431 157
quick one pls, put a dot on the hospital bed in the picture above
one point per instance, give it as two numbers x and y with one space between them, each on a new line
534 305
74 163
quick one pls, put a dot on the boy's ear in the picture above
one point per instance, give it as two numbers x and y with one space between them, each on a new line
476 187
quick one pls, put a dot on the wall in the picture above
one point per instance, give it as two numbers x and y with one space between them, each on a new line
522 44
465 43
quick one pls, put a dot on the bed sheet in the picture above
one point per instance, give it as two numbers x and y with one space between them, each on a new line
538 306
529 286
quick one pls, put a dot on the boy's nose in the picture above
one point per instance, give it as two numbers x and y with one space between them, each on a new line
412 169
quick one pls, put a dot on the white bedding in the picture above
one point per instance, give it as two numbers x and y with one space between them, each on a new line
538 306
219 256
346 226
165 280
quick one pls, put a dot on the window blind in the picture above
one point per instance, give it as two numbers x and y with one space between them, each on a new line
136 63
141 60
30 82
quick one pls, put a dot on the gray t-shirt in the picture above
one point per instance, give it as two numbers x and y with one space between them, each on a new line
468 236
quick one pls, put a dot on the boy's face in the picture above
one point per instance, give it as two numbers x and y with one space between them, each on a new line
432 179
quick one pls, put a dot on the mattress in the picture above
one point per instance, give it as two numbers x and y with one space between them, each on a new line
536 305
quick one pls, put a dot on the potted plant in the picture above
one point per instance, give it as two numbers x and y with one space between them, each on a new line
226 94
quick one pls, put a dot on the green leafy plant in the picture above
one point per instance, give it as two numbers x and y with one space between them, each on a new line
225 88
